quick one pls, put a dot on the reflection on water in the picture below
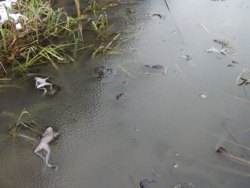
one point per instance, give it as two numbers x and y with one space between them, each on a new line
161 126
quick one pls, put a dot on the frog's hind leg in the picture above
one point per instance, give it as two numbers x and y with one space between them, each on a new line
37 152
47 149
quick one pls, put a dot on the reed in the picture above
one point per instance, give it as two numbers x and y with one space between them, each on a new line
100 26
78 7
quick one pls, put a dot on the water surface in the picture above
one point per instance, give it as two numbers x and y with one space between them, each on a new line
161 126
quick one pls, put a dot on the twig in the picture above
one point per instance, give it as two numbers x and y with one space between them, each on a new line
176 26
124 70
229 170
245 92
3 68
167 4
245 70
238 98
229 141
30 128
110 43
235 139
26 137
205 28
221 150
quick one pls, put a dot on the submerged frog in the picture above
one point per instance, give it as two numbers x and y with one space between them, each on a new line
47 87
145 183
118 96
103 72
48 136
154 69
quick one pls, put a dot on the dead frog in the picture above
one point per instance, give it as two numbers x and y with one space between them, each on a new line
48 136
47 87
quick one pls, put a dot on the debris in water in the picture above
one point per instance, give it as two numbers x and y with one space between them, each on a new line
177 68
190 184
157 67
177 186
203 96
223 43
125 71
47 137
26 137
187 57
245 81
176 165
205 28
235 62
118 96
245 70
216 50
145 183
159 15
130 10
221 150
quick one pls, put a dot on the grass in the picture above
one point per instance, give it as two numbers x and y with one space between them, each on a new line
100 26
40 40
52 36
25 121
95 7
21 121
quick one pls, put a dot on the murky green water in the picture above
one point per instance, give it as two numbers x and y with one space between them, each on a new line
161 126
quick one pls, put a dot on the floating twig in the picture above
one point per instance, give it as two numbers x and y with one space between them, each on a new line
26 137
205 28
221 150
225 139
245 70
25 125
235 139
239 98
11 86
125 71
245 81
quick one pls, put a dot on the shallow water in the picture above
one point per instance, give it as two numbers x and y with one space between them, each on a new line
161 126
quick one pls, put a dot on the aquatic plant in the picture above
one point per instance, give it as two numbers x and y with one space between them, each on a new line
100 26
18 124
95 7
46 36
112 45
24 120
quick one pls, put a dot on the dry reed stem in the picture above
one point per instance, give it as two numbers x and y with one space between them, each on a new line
229 141
78 9
221 150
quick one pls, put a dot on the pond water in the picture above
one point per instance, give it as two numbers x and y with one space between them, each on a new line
165 127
